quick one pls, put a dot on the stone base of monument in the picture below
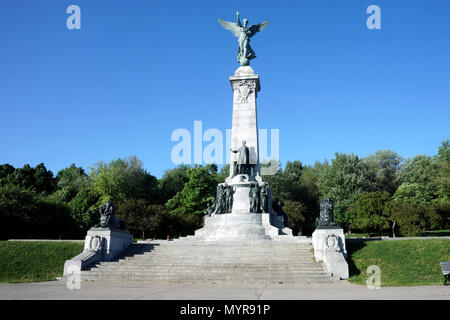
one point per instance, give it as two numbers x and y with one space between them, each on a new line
101 244
232 225
114 241
319 237
235 226
329 247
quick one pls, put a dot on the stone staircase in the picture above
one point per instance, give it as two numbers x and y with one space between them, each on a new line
191 260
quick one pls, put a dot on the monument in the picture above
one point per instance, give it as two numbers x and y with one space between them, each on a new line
244 237
243 205
103 242
329 241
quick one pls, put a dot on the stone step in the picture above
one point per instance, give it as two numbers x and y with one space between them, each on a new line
224 252
241 276
272 244
218 275
217 252
208 264
229 247
217 261
225 246
224 243
210 268
218 258
194 260
218 255
214 280
204 252
200 262
216 268
207 279
273 252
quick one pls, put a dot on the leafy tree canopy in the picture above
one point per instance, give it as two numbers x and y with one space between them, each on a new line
123 179
197 192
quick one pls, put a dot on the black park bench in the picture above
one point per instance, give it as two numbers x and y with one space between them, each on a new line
445 266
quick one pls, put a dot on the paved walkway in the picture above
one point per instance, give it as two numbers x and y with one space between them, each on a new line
211 291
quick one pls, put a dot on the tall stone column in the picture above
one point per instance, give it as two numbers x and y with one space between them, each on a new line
245 86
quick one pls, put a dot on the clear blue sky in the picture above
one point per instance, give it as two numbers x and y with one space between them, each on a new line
137 70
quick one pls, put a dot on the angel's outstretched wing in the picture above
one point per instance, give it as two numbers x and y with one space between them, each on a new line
258 27
233 27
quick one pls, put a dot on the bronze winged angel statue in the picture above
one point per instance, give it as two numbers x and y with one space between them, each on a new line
245 52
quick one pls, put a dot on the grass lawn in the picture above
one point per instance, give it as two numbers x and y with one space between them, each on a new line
402 263
35 261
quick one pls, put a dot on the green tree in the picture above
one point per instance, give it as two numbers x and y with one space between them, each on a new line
73 176
25 214
297 212
44 182
70 181
136 214
123 179
419 181
439 217
296 186
17 205
38 179
197 192
409 218
173 181
442 162
383 169
5 170
415 193
65 194
343 181
368 211
84 207
224 172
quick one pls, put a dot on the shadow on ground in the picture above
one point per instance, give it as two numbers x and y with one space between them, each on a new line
352 247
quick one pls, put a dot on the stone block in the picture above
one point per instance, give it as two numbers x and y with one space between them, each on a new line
81 262
101 244
113 241
336 264
319 237
329 247
232 225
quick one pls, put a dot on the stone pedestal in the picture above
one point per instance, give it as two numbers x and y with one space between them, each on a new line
319 237
329 247
101 244
242 184
233 226
245 86
114 241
